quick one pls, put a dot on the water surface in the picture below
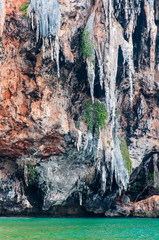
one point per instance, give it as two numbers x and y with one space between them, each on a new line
78 228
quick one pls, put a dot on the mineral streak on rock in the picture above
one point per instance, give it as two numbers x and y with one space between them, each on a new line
50 159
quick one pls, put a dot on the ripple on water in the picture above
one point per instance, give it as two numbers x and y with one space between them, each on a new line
78 228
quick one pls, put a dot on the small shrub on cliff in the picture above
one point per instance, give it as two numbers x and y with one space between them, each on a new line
95 115
24 8
125 154
31 174
86 43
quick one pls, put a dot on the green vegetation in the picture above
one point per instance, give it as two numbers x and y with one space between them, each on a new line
108 142
117 113
145 186
87 46
95 115
31 174
125 154
136 187
24 8
150 182
149 186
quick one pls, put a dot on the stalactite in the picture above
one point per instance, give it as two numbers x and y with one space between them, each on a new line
90 59
79 140
37 30
47 18
2 14
126 10
107 99
127 49
80 198
153 33
108 66
57 50
116 36
121 174
151 2
104 179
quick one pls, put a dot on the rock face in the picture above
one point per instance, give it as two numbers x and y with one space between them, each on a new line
56 66
145 208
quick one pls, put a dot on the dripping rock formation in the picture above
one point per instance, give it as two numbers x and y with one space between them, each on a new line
79 107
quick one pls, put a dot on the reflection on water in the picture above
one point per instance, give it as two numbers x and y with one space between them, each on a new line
78 228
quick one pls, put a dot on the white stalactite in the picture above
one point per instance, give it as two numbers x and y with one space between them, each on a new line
127 49
2 15
104 179
153 33
108 67
46 18
90 60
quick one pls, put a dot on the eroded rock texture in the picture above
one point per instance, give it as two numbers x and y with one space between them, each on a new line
50 158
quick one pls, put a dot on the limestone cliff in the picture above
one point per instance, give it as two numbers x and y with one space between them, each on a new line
79 83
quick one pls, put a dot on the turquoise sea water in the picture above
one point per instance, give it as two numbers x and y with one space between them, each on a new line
78 228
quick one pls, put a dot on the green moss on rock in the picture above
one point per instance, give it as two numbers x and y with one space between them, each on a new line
31 174
126 156
95 115
117 113
86 43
